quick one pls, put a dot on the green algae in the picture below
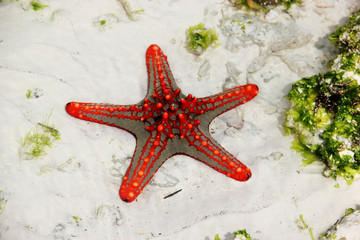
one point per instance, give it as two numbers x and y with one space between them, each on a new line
28 93
324 113
34 144
132 14
199 38
303 225
263 4
36 5
239 234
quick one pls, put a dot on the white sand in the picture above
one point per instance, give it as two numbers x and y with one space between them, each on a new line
63 50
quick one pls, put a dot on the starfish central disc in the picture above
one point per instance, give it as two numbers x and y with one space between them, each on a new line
170 115
167 123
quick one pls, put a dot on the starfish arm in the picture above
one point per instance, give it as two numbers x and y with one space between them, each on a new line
149 155
208 151
219 103
127 117
160 78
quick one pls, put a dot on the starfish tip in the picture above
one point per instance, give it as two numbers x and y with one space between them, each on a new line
126 195
253 88
153 49
246 175
70 108
68 105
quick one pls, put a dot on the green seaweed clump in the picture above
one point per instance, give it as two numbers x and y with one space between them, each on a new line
37 5
238 235
199 38
35 142
324 115
263 4
347 37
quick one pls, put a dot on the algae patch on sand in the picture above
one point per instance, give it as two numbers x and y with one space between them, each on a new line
34 144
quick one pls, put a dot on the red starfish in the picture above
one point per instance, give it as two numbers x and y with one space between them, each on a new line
167 123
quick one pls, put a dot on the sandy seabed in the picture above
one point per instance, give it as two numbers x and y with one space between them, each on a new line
64 53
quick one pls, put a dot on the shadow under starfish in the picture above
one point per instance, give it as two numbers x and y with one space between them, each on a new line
167 123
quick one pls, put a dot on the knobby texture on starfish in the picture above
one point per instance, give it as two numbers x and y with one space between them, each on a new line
167 123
